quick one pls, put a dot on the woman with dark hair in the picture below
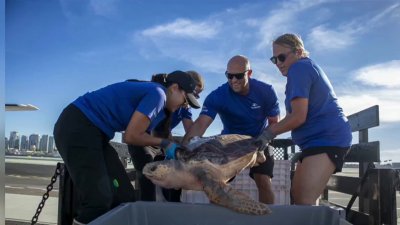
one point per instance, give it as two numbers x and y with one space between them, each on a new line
145 154
85 127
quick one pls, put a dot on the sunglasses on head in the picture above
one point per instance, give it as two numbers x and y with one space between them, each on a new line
281 57
236 75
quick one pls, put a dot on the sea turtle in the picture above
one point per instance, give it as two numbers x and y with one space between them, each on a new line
208 167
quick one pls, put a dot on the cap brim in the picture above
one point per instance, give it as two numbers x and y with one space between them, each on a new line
192 101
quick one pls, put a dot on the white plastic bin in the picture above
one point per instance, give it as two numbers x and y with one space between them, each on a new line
169 213
244 183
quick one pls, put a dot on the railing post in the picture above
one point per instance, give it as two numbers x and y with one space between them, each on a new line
388 180
363 166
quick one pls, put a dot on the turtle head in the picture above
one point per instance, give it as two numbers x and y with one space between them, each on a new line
162 173
158 169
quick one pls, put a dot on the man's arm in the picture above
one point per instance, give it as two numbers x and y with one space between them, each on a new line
187 123
198 128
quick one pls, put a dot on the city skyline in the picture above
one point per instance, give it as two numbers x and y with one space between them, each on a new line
31 142
73 47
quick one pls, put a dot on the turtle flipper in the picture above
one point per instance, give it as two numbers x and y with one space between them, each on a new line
224 195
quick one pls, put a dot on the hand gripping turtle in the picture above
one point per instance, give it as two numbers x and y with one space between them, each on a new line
208 167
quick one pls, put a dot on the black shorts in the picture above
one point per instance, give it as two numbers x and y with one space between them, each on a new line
335 154
267 167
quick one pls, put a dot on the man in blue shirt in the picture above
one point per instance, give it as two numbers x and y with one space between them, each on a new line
246 106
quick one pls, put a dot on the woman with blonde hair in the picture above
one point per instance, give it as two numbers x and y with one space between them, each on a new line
314 117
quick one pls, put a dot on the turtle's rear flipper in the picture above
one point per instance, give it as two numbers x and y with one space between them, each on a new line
224 195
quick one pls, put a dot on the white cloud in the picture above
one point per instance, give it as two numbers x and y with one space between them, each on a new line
104 7
184 28
382 82
282 20
220 36
74 10
361 99
385 74
323 38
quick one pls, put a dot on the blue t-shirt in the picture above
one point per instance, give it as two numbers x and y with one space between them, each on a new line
325 125
111 108
179 115
242 114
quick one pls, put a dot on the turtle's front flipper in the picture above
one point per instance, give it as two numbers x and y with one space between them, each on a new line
224 195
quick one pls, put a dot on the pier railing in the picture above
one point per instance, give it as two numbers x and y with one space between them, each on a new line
374 187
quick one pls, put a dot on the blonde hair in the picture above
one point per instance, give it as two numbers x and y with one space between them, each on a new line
197 77
292 41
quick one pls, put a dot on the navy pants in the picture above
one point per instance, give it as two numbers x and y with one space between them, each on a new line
95 169
140 157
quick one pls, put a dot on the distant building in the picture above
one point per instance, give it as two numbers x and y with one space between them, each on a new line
6 143
24 143
44 143
34 142
14 140
51 144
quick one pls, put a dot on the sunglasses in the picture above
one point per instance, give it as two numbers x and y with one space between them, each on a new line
238 76
280 57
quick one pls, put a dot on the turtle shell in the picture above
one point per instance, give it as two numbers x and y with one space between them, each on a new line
219 149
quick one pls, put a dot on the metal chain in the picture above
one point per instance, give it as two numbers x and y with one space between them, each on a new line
46 195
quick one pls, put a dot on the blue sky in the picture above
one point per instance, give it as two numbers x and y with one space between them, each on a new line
56 51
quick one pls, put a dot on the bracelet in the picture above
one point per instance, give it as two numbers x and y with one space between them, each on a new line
164 143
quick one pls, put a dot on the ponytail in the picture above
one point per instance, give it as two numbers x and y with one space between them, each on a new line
160 78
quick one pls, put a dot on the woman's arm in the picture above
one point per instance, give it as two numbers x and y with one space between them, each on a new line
294 119
135 133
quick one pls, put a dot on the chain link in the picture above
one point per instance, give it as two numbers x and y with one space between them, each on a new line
46 195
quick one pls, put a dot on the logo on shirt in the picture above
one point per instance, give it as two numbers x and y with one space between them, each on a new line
254 106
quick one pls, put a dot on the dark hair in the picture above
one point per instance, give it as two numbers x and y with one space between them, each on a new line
136 80
160 78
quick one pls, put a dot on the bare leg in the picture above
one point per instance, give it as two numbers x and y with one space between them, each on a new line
310 178
265 194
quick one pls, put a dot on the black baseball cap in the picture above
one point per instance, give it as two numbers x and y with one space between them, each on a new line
186 83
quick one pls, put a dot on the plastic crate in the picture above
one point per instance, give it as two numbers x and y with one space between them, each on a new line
166 213
244 183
